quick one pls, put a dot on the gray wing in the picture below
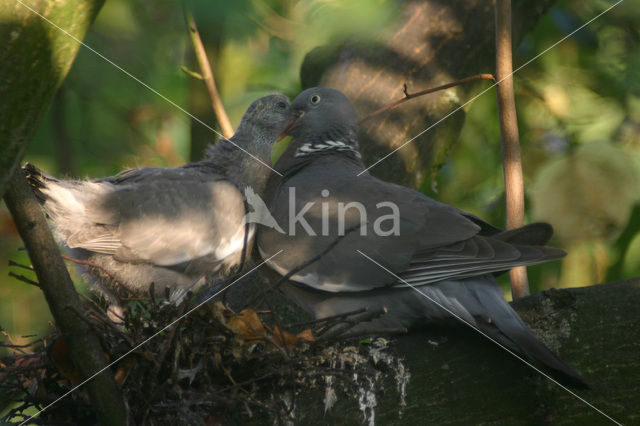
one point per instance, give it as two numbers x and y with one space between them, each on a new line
476 256
166 220
435 241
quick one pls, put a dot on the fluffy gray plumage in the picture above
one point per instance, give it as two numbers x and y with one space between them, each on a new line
177 227
448 255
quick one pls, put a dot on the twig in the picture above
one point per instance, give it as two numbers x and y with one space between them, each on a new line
278 325
326 319
409 96
511 159
374 331
266 338
94 265
341 327
167 344
152 295
207 75
190 73
24 279
20 265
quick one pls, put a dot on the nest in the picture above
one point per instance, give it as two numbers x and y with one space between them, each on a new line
211 366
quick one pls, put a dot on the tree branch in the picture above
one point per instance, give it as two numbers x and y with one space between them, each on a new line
207 75
456 376
408 96
511 160
94 265
63 301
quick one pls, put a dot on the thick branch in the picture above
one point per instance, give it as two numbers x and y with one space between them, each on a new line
63 301
459 377
512 162
207 75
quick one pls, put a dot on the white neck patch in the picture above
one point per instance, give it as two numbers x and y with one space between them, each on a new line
309 148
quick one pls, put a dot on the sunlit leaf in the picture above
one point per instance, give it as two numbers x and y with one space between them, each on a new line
587 194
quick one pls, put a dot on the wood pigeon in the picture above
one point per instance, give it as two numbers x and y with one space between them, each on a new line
405 250
177 227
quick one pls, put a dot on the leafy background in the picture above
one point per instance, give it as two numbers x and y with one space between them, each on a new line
578 111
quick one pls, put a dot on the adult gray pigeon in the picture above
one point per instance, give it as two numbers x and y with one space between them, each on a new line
402 238
177 227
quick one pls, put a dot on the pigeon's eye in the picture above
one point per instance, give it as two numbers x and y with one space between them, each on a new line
315 99
281 105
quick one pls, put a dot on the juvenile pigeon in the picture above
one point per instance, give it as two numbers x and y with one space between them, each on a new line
399 238
177 227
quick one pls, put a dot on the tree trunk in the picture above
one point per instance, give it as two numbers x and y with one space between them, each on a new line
84 344
34 60
459 377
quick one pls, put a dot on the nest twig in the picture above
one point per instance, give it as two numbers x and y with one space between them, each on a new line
203 367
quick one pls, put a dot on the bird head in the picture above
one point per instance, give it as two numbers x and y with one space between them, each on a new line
324 121
267 117
262 122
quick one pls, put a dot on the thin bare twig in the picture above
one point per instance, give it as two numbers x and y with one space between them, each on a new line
374 331
327 319
94 265
24 279
167 344
207 75
511 159
191 73
278 325
408 96
338 330
20 265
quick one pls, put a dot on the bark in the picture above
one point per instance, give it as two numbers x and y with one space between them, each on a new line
34 60
459 377
431 43
64 303
511 159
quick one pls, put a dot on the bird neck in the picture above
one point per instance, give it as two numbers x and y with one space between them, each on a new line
332 158
231 159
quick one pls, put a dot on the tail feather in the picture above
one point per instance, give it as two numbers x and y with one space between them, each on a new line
508 329
38 180
534 234
529 344
65 201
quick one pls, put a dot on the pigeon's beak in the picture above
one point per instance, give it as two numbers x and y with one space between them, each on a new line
294 123
283 141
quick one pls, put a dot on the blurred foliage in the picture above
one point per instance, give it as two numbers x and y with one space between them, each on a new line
579 123
578 108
